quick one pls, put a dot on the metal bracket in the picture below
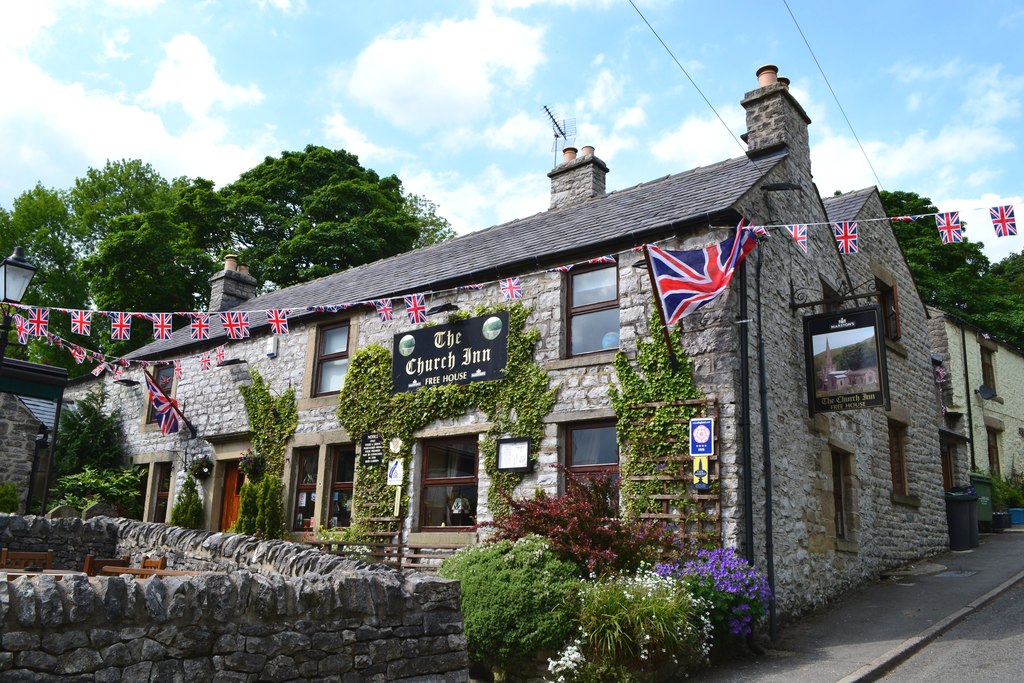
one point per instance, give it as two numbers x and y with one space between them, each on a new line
798 298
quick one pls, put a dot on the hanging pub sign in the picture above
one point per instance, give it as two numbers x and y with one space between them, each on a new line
845 361
371 451
471 350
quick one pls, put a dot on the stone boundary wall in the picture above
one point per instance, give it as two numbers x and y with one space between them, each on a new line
273 611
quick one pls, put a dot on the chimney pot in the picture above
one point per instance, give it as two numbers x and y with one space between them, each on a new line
767 75
231 262
587 151
784 81
568 154
243 269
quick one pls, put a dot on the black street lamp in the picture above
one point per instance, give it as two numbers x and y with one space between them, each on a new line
15 275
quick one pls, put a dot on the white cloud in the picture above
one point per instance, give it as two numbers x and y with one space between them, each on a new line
444 73
338 129
700 140
188 76
112 45
22 23
135 5
518 132
283 6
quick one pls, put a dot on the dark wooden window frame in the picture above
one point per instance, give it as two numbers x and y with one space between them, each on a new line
988 368
341 486
574 311
992 438
585 470
888 300
300 458
161 495
426 482
322 358
840 494
898 457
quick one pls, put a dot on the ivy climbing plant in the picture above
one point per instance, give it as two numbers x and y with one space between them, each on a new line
515 406
652 424
272 420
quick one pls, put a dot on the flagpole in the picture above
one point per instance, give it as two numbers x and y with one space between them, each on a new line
673 362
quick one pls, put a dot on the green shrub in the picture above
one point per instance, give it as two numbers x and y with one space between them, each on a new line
188 511
634 628
1007 493
119 487
8 497
270 518
518 599
89 437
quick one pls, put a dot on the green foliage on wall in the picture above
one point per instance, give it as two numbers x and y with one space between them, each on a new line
653 440
515 406
272 420
188 511
8 497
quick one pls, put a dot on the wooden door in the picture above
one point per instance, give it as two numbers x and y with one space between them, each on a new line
233 480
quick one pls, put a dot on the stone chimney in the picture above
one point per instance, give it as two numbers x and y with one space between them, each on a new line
774 117
577 179
231 286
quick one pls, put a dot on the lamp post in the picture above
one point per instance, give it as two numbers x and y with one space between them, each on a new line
15 274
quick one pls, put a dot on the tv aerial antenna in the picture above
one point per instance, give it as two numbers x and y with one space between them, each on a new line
564 129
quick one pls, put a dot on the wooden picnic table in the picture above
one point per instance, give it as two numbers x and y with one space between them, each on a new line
12 574
145 573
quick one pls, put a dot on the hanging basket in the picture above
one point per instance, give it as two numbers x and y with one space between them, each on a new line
201 468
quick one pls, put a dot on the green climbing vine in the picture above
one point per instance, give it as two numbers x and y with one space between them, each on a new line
272 420
653 440
515 406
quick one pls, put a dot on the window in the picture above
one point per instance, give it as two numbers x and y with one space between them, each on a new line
306 460
993 450
840 497
592 449
331 359
988 373
890 310
449 483
340 513
947 454
163 375
593 310
162 491
898 457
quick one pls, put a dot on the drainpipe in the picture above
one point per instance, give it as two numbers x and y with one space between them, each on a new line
748 484
762 380
967 393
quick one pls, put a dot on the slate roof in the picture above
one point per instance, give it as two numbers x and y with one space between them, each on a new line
44 410
603 225
847 206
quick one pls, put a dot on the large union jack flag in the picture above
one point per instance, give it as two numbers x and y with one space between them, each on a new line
416 308
81 322
161 325
278 319
236 324
799 234
166 409
511 288
200 326
1003 220
38 321
687 280
120 325
949 227
384 309
846 237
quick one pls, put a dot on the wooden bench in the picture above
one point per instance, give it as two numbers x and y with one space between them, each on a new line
93 565
380 553
14 559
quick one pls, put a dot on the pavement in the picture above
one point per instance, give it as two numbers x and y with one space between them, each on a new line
873 629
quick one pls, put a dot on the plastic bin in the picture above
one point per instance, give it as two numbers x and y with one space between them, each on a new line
1017 516
961 519
982 484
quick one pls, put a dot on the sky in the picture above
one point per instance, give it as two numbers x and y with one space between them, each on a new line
450 95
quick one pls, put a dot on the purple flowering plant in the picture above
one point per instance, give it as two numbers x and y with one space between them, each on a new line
251 465
738 593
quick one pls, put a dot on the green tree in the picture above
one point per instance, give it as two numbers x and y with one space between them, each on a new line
434 229
313 213
188 511
89 436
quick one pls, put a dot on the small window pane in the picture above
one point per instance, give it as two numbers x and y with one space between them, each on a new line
452 460
594 286
332 375
594 446
341 509
304 506
335 340
307 475
595 331
449 506
346 468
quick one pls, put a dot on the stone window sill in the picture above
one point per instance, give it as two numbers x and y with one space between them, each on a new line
896 347
318 402
846 545
602 358
903 499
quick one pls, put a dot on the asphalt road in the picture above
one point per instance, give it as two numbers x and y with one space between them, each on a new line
987 646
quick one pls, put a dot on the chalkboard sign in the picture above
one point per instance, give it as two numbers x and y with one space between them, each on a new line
372 451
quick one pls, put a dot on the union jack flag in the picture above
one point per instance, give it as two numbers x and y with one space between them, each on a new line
200 326
219 354
602 259
98 370
204 361
120 325
81 322
759 230
560 269
78 353
473 286
278 319
21 324
236 324
384 309
687 280
904 219
949 227
511 288
38 321
846 237
799 234
1003 220
416 308
118 372
161 325
166 409
178 371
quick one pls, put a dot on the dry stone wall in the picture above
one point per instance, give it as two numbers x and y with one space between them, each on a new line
266 611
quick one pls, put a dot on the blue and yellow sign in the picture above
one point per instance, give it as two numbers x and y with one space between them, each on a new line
701 476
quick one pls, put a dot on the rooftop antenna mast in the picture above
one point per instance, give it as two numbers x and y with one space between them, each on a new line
564 130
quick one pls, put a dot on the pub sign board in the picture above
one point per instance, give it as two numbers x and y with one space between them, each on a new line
371 451
845 361
471 350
